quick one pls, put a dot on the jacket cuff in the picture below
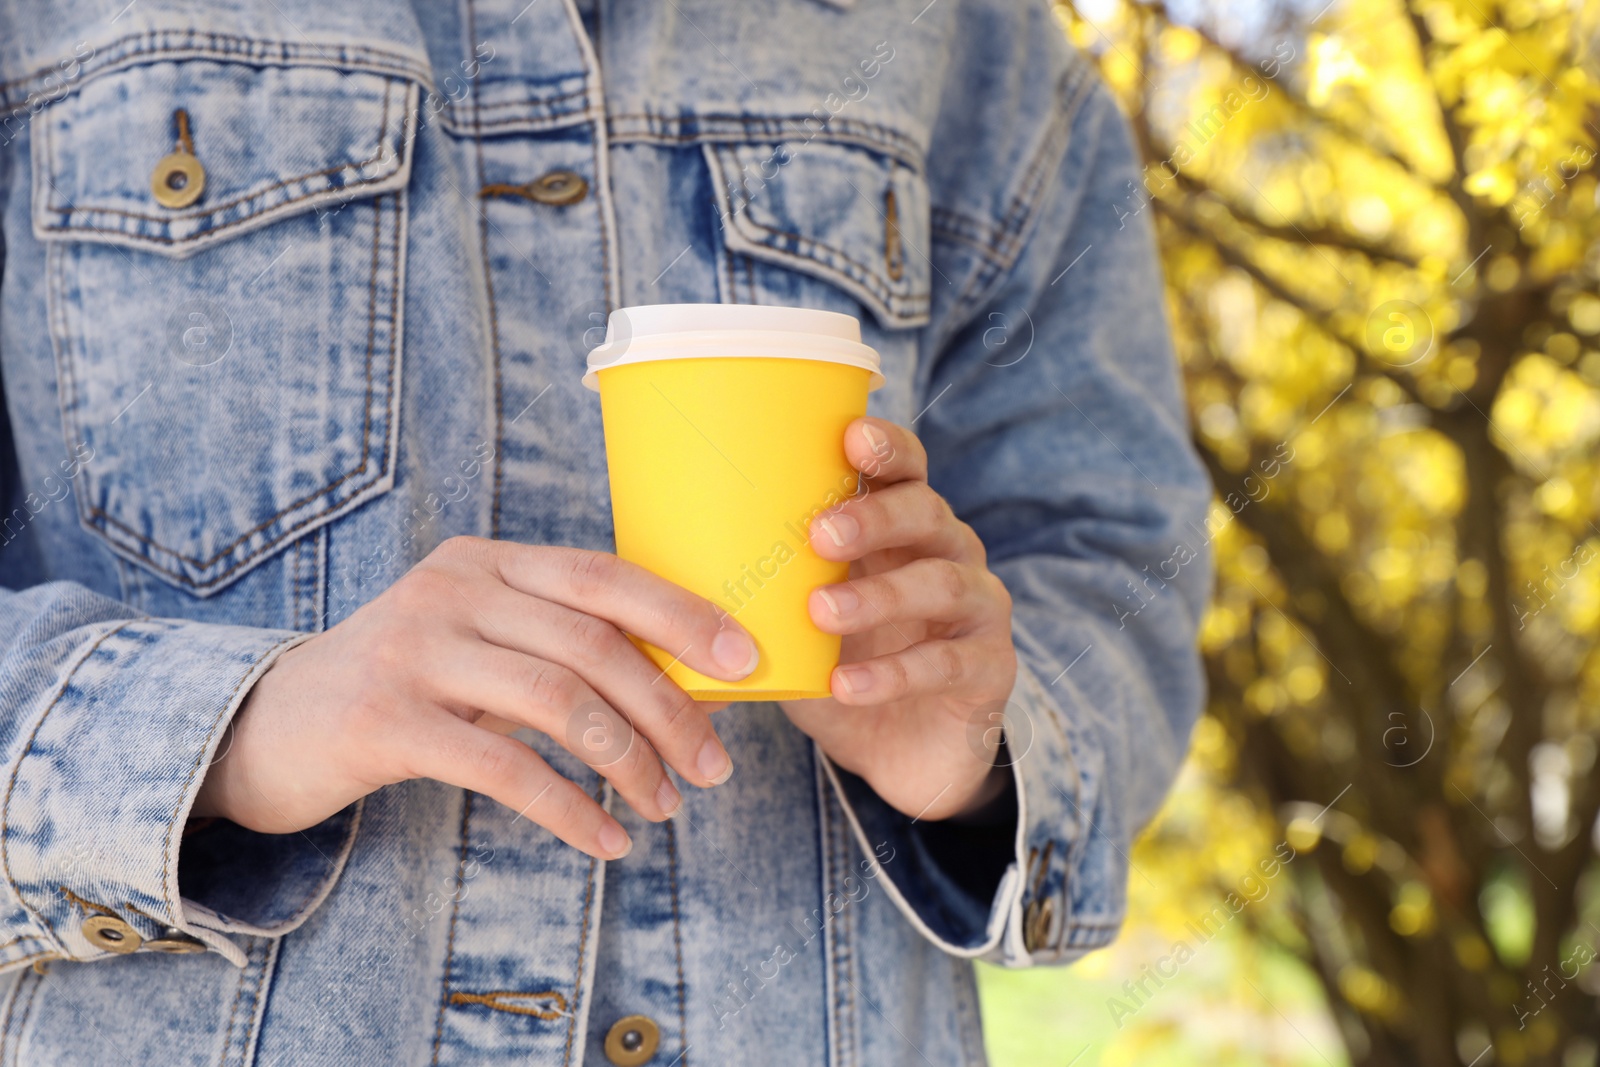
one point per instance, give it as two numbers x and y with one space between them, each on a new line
1063 894
95 805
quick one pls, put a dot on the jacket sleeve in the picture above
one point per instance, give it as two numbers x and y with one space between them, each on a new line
1056 428
108 721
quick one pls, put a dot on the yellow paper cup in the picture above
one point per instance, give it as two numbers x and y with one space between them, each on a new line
724 430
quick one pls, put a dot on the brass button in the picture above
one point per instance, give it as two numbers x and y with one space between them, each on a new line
111 933
175 943
560 188
1036 922
178 180
632 1040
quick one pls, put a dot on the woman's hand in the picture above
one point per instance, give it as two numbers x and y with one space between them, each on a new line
476 640
927 637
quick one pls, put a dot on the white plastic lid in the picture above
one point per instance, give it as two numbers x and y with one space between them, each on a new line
701 331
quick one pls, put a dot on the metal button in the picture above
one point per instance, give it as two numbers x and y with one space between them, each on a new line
632 1040
175 943
178 180
1037 918
558 188
112 934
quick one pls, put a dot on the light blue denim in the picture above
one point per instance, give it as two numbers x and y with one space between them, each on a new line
229 424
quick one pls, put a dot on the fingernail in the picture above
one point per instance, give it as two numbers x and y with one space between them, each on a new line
841 528
714 763
735 653
841 599
614 841
875 439
668 798
855 679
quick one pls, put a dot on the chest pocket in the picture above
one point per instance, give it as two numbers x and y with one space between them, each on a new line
225 261
832 226
845 216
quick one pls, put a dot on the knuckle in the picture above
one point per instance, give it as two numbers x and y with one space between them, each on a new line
998 590
698 617
950 662
676 712
498 764
592 638
636 765
881 597
461 549
419 591
917 451
605 651
965 531
589 574
950 578
570 807
898 678
549 686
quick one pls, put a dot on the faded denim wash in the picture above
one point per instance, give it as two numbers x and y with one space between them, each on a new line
229 424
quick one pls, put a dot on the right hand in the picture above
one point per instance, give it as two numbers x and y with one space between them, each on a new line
480 638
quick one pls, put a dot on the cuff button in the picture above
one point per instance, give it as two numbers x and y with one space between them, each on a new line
175 943
632 1041
111 934
1037 919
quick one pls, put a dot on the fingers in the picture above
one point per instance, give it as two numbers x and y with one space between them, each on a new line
459 754
949 668
468 675
925 590
884 452
668 616
678 728
905 515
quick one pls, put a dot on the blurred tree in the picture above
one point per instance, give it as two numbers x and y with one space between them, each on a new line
1379 225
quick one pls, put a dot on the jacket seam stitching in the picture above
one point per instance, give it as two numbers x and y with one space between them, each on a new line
96 513
533 102
583 939
1051 151
455 911
86 905
290 55
174 905
494 313
11 1006
677 941
5 813
27 1010
233 1013
212 209
954 226
907 304
769 129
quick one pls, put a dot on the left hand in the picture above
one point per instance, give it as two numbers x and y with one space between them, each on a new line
927 637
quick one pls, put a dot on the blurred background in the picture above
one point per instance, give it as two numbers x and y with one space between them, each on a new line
1379 226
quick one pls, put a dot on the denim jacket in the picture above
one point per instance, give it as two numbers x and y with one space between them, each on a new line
247 387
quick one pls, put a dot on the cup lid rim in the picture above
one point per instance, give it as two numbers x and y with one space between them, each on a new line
689 331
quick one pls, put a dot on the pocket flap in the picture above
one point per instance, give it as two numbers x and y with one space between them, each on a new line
270 141
840 213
